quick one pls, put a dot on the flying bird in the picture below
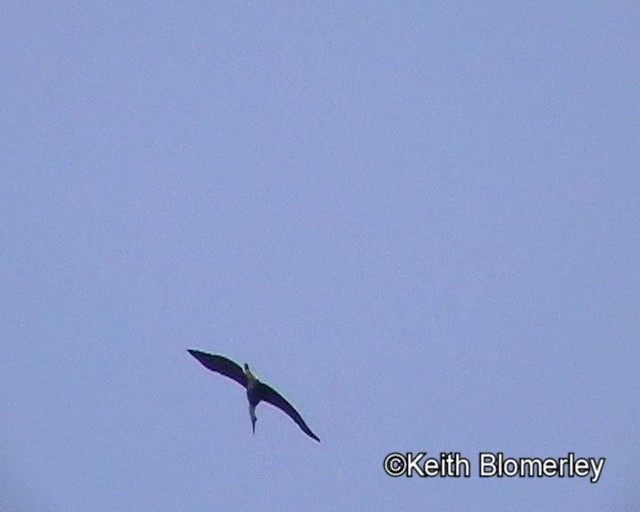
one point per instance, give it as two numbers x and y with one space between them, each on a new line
256 391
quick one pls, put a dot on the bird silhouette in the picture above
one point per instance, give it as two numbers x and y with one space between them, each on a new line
256 391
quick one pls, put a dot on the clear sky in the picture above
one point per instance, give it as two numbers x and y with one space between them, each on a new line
417 220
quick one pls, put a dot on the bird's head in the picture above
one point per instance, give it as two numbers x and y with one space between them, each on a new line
251 378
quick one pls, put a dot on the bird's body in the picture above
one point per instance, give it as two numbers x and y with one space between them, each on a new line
253 395
256 391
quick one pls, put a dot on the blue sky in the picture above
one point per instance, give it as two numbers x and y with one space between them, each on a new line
418 221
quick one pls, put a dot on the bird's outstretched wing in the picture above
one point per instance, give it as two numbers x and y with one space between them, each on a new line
222 365
268 394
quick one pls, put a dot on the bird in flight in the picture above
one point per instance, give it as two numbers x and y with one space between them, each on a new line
256 391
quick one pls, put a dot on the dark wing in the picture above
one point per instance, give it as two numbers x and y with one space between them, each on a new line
268 394
222 365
